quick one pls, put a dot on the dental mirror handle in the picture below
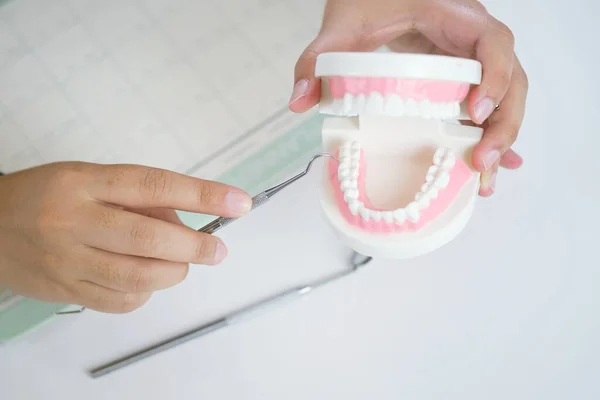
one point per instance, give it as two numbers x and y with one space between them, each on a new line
236 317
267 304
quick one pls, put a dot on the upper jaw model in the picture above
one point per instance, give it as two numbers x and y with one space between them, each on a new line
402 183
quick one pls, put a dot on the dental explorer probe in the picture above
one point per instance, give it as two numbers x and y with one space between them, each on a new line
358 261
262 197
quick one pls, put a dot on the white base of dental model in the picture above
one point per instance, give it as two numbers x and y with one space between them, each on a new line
396 152
404 184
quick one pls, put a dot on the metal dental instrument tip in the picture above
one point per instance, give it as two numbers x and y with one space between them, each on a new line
276 189
358 260
262 197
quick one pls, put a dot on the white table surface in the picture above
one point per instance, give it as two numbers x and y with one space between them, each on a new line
510 309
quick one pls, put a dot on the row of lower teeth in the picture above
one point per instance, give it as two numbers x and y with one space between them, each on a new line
437 178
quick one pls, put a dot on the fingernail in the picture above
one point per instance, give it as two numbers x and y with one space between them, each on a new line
483 109
220 252
238 202
490 158
300 89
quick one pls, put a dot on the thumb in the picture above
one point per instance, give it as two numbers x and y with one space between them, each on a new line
307 88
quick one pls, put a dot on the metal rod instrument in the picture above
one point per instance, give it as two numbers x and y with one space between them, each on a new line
358 261
262 197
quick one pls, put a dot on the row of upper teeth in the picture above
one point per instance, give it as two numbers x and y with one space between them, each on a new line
436 179
391 105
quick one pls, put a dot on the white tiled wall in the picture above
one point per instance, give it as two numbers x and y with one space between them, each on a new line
156 82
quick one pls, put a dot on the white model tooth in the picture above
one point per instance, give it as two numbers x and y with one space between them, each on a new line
425 109
455 109
411 108
451 112
344 154
434 110
431 173
365 213
375 104
353 173
422 204
325 107
344 165
355 145
399 216
348 104
446 110
350 194
412 212
432 192
439 155
394 106
443 113
442 180
348 184
337 108
360 103
354 206
355 154
422 200
441 110
376 215
343 174
388 216
425 187
448 161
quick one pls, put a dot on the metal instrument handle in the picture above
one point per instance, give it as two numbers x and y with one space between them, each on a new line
222 222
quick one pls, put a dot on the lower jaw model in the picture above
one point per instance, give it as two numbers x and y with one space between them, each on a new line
401 184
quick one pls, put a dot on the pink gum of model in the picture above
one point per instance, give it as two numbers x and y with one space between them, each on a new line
459 176
417 89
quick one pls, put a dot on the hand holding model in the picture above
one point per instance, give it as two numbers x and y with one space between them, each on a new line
461 28
105 237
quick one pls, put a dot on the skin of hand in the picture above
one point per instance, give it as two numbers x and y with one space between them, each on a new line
461 28
105 236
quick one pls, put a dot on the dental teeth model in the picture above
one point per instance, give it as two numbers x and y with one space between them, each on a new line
403 184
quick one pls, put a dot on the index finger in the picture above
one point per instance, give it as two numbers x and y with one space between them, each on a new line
144 187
